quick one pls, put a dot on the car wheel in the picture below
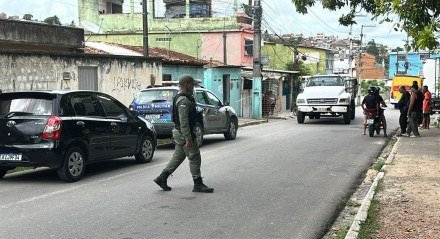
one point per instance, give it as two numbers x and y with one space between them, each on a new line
198 130
353 109
232 131
301 117
347 117
146 152
3 171
73 166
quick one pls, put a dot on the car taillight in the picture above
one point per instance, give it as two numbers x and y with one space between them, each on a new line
392 94
53 128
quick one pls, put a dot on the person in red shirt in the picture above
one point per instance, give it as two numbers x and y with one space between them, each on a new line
427 107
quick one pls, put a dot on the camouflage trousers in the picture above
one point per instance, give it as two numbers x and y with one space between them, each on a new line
181 152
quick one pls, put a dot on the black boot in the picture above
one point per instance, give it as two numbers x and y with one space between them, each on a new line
200 187
162 180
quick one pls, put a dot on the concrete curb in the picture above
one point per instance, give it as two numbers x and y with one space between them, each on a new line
253 122
362 213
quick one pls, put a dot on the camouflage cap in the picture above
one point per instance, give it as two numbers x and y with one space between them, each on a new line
186 79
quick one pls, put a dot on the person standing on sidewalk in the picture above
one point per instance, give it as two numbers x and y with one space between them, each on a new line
185 139
403 106
413 111
427 105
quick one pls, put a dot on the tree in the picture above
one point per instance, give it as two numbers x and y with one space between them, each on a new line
372 49
303 69
53 20
28 17
365 84
247 9
419 19
397 49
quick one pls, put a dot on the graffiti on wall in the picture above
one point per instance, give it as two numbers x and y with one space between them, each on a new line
123 84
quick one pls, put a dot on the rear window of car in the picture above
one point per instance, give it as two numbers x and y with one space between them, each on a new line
26 105
155 96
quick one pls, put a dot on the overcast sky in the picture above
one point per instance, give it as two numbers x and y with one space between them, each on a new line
279 16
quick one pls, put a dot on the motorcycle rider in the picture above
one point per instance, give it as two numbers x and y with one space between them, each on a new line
381 103
369 103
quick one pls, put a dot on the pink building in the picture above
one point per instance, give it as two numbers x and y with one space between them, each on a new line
239 47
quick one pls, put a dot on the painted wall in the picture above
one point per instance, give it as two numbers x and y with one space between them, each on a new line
280 54
120 77
213 81
198 37
177 71
212 47
415 66
132 22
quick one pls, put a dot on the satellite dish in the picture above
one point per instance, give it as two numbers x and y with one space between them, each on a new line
90 26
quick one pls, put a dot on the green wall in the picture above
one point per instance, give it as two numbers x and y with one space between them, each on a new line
180 42
280 54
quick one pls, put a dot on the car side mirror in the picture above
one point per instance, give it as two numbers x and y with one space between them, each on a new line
134 113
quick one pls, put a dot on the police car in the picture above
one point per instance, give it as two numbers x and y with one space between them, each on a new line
155 105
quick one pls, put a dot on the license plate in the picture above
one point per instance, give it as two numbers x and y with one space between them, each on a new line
152 117
370 121
10 157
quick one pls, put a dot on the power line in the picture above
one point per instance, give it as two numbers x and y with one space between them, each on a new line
325 24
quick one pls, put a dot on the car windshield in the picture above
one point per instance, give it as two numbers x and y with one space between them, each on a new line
23 106
155 95
325 81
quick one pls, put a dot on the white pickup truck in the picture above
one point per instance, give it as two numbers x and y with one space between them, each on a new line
327 95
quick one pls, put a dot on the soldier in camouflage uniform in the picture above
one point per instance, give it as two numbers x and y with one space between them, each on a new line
184 118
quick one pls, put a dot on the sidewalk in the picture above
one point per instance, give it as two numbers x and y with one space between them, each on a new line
244 121
410 196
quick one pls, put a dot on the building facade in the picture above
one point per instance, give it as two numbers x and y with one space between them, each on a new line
182 26
412 60
319 61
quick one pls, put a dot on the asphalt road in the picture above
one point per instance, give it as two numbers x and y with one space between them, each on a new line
276 180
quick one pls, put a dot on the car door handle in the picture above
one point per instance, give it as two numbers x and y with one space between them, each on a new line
114 124
80 123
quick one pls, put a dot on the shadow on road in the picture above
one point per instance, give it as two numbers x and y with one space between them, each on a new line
46 175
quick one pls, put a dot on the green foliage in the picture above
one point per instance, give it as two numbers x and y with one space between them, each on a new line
247 9
372 48
370 226
53 20
28 17
397 49
419 19
365 84
380 52
303 69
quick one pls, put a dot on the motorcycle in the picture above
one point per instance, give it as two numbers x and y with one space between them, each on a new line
373 122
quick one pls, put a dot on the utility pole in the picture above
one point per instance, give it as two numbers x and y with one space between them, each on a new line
225 56
406 57
360 62
256 82
145 27
350 56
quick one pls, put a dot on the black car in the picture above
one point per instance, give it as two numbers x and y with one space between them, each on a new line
68 129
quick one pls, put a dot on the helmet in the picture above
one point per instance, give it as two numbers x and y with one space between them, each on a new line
371 89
